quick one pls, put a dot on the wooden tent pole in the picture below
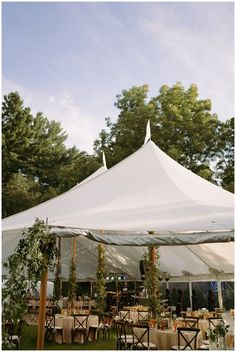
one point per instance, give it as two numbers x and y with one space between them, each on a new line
219 292
74 250
59 264
74 261
190 294
42 311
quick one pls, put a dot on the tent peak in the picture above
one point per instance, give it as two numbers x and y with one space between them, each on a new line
104 160
148 133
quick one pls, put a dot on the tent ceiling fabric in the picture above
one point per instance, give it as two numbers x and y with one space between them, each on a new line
146 191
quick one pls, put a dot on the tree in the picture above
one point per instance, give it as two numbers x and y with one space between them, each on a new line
19 193
225 153
182 126
33 146
127 134
185 128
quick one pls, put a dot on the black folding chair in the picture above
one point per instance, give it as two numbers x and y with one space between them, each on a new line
191 322
80 326
187 339
140 334
51 329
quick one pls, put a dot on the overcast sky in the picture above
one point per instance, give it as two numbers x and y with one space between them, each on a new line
70 60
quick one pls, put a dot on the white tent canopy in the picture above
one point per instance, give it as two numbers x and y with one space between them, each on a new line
146 191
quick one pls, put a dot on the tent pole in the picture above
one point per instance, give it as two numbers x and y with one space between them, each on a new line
190 294
74 250
219 291
42 311
59 264
74 259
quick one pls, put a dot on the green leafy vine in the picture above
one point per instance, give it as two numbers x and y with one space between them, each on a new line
72 282
34 254
153 275
101 282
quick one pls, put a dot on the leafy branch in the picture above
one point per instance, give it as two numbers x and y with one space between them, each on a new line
33 256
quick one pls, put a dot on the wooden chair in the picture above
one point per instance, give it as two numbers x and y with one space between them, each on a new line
104 327
189 341
140 334
107 324
51 329
125 314
124 339
14 331
143 315
213 322
192 322
80 326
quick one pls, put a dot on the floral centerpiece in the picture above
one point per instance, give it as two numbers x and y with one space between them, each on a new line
217 336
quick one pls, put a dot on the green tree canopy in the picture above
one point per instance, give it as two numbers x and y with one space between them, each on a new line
182 126
36 164
225 154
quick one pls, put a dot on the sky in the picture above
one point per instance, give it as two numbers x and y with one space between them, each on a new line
69 60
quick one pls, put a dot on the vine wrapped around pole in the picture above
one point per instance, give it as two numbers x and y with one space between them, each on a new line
152 281
34 255
72 277
101 282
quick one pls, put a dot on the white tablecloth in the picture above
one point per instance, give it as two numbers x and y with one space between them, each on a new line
165 339
67 323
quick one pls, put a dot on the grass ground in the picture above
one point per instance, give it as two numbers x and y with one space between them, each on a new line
29 338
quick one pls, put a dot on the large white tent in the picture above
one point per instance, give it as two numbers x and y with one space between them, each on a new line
146 191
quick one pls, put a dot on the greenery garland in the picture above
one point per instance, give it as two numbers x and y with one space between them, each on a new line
101 282
153 275
72 283
34 254
57 280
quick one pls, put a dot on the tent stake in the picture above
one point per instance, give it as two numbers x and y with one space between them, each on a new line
42 311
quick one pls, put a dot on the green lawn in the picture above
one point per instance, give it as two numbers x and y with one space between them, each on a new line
29 338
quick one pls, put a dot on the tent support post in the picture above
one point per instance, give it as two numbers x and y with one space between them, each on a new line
59 264
190 294
74 250
74 261
42 311
220 299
